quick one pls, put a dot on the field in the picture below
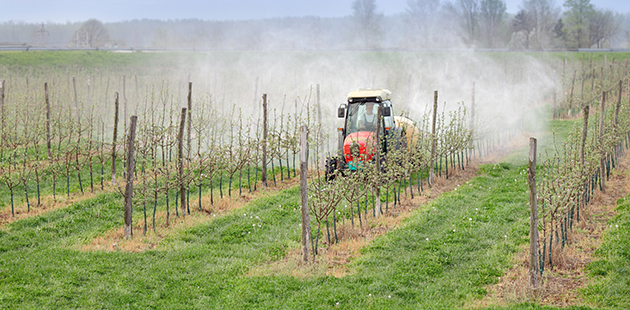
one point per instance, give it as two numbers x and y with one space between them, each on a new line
235 242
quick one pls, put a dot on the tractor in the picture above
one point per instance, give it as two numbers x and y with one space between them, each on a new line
358 138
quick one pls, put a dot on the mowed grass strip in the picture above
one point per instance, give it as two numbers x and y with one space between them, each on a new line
611 272
441 257
38 268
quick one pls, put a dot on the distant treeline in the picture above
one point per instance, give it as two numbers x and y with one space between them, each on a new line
539 24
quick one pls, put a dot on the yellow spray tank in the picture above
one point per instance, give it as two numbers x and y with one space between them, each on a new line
410 130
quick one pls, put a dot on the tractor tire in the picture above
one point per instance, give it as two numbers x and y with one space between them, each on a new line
331 168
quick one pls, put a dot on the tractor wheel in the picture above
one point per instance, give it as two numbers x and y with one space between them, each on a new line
331 168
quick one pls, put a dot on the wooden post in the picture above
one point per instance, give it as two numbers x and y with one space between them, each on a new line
48 147
2 118
582 88
189 119
601 119
433 138
555 100
472 114
534 269
320 135
264 142
618 103
114 140
306 226
340 143
377 157
584 133
612 72
124 98
601 135
131 165
571 94
180 162
76 100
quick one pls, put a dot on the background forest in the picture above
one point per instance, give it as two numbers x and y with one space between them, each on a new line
426 24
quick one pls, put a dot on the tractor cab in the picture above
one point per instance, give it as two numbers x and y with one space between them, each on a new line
358 138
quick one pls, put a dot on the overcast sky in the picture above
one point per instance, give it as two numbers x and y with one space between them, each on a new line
118 10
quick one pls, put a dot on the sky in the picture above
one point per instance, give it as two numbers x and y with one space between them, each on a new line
61 11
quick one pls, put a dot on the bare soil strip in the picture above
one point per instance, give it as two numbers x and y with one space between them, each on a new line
562 284
114 240
333 258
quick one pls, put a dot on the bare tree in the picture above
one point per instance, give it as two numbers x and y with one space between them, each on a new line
469 10
543 15
491 16
523 25
421 21
91 34
367 22
602 26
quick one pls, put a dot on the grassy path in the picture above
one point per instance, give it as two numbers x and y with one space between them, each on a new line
442 256
611 271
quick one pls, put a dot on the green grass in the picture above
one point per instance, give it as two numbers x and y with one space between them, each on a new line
204 267
611 271
442 257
